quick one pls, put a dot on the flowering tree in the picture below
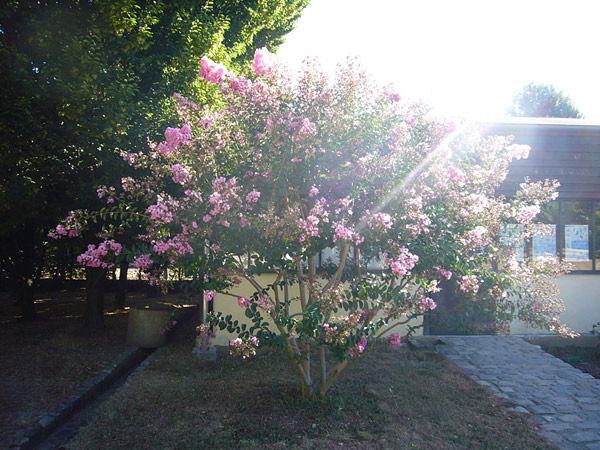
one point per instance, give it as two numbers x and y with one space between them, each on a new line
281 171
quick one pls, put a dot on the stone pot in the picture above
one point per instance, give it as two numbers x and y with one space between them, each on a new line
145 324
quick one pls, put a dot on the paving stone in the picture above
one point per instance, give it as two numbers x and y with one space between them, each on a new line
558 426
563 400
582 436
519 409
570 418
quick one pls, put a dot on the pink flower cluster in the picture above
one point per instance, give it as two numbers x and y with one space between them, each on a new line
526 214
243 348
93 257
380 221
426 304
243 302
264 63
161 212
447 274
214 72
143 262
209 296
401 264
478 236
71 228
205 334
342 232
179 245
225 198
469 283
174 137
456 175
395 340
106 191
517 151
253 196
181 174
265 304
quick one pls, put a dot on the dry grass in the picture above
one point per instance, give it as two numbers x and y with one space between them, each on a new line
393 399
43 362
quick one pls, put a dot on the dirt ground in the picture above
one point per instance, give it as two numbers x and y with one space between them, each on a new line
43 362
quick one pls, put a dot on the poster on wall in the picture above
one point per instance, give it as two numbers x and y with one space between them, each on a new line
544 244
512 234
577 246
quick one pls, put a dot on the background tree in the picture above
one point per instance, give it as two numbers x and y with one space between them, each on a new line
543 100
82 81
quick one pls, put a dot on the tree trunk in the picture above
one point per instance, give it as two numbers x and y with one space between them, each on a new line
121 294
25 301
94 299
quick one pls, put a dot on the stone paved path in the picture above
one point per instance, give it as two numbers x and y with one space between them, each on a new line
564 401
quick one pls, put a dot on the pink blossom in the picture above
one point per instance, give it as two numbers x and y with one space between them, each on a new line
518 151
213 72
426 304
456 175
265 304
209 295
404 262
445 273
94 256
143 262
526 214
395 340
243 302
180 173
469 283
244 348
313 191
253 196
362 344
265 62
381 221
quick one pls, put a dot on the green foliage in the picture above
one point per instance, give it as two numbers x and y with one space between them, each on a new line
83 80
541 100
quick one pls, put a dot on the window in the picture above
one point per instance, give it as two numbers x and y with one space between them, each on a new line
573 234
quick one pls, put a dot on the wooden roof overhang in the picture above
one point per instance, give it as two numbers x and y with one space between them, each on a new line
567 150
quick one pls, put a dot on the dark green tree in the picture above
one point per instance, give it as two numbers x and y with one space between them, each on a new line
543 100
83 80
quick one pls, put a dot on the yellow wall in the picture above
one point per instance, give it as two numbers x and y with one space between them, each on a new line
228 305
581 294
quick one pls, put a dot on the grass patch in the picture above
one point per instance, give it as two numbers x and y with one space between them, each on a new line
392 399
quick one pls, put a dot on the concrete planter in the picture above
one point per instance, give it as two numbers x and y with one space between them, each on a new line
145 325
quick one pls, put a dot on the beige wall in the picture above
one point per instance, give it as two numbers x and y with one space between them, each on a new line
581 294
228 305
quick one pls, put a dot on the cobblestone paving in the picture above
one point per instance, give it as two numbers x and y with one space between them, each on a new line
564 401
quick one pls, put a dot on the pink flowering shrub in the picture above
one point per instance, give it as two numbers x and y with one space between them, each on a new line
283 170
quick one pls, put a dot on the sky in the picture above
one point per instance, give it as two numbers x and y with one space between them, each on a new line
465 58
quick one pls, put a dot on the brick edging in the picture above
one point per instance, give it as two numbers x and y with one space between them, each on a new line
84 395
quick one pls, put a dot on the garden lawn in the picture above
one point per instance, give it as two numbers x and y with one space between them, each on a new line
392 399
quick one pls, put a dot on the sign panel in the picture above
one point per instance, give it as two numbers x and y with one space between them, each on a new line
544 245
577 244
